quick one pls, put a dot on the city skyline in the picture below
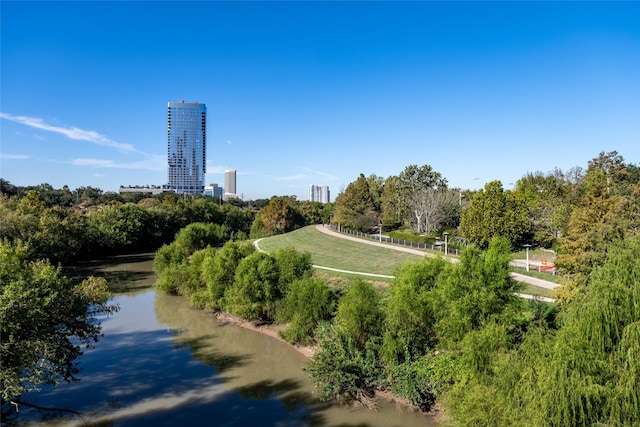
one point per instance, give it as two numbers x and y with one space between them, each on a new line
301 92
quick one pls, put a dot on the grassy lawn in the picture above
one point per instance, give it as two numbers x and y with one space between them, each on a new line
339 253
343 254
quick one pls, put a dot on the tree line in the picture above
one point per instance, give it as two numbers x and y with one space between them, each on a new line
578 213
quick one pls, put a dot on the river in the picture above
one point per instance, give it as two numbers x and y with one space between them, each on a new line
163 363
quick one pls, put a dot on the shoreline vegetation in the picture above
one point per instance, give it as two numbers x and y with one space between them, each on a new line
403 342
272 330
437 340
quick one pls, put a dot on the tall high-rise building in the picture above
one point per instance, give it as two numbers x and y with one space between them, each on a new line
187 147
230 182
319 193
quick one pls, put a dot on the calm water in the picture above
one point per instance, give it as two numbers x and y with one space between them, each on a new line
162 363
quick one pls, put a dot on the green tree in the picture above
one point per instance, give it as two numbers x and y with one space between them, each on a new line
586 373
312 212
342 370
606 212
281 215
394 203
355 208
409 320
115 227
292 265
360 313
170 264
494 212
45 321
548 203
198 236
477 290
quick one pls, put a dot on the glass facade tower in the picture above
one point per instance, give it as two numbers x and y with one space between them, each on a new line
187 146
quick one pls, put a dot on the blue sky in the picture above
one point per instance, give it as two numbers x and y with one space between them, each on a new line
302 93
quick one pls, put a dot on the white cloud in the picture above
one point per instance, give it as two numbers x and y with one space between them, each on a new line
154 163
295 177
216 169
328 176
71 133
14 156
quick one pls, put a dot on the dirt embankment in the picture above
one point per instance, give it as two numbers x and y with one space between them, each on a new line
264 328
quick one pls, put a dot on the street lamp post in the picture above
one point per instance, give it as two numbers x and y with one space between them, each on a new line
446 241
527 246
380 231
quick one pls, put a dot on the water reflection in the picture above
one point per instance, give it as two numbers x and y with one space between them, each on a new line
164 363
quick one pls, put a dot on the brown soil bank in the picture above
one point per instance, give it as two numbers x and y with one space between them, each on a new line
308 351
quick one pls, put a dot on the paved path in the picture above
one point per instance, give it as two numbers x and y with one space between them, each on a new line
331 232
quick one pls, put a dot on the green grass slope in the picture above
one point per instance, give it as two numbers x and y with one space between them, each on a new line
339 253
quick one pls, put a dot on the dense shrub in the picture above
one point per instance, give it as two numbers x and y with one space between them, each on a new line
421 381
218 271
344 370
168 255
292 265
307 302
360 313
409 320
254 292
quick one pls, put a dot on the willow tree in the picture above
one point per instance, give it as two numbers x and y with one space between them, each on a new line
596 358
585 373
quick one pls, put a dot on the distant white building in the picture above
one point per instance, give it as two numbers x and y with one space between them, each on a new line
319 193
230 184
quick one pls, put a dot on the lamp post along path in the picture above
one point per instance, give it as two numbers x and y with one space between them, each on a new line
446 241
527 250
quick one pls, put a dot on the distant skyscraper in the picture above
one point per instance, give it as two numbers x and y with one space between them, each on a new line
230 182
319 193
187 146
